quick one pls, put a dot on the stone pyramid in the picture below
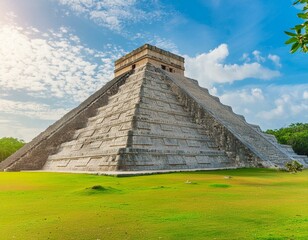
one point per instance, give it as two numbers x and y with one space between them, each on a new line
150 118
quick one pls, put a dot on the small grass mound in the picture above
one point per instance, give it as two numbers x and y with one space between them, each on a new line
99 189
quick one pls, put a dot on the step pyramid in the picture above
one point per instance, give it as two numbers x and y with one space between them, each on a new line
150 117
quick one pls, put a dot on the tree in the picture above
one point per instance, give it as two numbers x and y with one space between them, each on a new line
295 135
8 146
299 38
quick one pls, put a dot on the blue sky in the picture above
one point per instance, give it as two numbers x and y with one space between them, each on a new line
55 53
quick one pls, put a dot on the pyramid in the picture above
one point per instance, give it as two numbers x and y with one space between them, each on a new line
150 117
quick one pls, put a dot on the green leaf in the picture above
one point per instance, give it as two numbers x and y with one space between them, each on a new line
291 40
296 2
295 47
302 15
298 27
290 34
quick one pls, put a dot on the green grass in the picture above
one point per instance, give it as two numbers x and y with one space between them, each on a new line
252 204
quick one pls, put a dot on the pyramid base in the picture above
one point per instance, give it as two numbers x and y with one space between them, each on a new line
136 173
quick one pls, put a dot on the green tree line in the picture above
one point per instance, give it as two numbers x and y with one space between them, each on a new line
295 135
8 146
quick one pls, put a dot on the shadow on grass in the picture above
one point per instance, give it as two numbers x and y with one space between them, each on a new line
98 189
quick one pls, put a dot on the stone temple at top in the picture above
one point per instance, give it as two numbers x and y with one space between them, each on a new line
150 117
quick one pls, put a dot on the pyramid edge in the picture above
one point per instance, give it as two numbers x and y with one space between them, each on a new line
23 154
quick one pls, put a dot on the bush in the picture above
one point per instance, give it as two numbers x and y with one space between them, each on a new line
8 146
294 166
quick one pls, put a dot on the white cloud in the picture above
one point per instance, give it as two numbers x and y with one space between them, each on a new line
51 64
258 57
213 91
4 121
10 15
286 106
275 59
210 68
114 14
164 44
305 95
279 109
245 57
257 93
31 109
270 107
11 128
155 40
246 96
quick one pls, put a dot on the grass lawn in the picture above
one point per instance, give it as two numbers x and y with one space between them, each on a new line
253 204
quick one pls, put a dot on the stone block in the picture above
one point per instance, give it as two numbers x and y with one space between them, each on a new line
60 163
142 140
193 143
170 142
165 127
77 147
202 159
157 142
143 125
176 160
79 162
